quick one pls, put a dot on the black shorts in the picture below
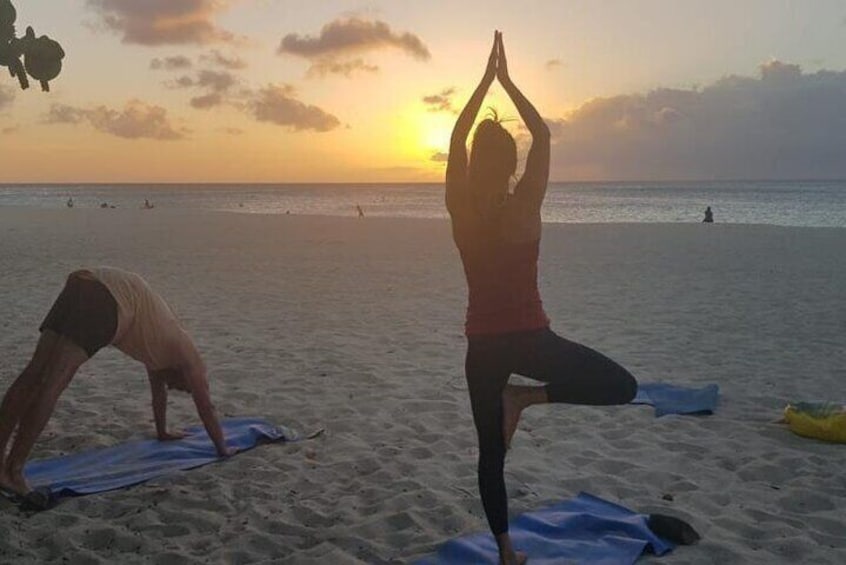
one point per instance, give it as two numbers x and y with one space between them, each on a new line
85 312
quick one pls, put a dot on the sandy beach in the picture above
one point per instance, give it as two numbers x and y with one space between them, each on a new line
356 326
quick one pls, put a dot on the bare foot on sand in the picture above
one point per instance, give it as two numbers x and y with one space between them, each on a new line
14 484
507 555
520 558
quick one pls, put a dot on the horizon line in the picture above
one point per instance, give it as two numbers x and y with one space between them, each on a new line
401 182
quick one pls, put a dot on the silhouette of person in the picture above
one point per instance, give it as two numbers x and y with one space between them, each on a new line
359 210
498 237
100 307
709 216
147 205
70 202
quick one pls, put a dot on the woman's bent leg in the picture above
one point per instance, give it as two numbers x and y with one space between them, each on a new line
574 373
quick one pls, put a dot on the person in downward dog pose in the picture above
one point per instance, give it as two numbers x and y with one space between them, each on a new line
98 307
497 233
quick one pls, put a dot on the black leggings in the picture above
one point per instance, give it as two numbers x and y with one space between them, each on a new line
573 374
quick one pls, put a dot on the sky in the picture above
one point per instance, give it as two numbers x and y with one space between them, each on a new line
347 91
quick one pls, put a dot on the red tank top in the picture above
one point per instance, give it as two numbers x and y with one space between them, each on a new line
502 279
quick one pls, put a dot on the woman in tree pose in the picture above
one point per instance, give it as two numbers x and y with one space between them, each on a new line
497 233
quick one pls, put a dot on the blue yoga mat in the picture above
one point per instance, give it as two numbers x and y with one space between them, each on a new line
672 399
586 529
134 462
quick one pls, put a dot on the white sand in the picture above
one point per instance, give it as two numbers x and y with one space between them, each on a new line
356 326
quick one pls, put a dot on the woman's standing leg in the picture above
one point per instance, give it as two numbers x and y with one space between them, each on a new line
487 370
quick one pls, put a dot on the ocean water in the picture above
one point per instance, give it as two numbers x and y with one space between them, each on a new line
786 203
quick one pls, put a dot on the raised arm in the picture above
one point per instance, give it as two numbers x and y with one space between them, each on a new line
456 172
532 185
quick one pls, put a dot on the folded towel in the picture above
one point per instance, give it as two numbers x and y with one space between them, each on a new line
673 399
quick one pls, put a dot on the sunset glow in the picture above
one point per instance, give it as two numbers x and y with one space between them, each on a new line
256 91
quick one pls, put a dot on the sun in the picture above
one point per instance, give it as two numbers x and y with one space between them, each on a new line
422 139
435 131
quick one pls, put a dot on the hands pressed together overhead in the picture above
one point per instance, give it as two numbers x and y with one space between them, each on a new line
497 63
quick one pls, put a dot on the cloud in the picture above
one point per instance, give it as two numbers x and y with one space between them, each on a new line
553 64
782 124
206 101
218 81
339 40
163 22
232 131
217 85
441 102
183 82
175 63
64 114
137 120
439 157
10 130
7 96
277 105
324 67
215 57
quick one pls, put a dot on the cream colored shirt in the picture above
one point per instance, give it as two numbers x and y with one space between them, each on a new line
148 330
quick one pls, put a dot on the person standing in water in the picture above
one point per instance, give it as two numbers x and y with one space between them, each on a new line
498 237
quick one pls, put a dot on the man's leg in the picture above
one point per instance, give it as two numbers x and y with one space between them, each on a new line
22 391
65 360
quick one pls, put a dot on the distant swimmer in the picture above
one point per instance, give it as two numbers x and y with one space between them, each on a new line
497 234
359 210
709 216
147 205
70 202
99 307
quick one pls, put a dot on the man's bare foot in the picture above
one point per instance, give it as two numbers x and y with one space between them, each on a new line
14 484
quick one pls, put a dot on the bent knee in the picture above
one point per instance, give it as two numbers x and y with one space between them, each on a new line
628 388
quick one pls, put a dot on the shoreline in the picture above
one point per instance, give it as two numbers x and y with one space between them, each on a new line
352 217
